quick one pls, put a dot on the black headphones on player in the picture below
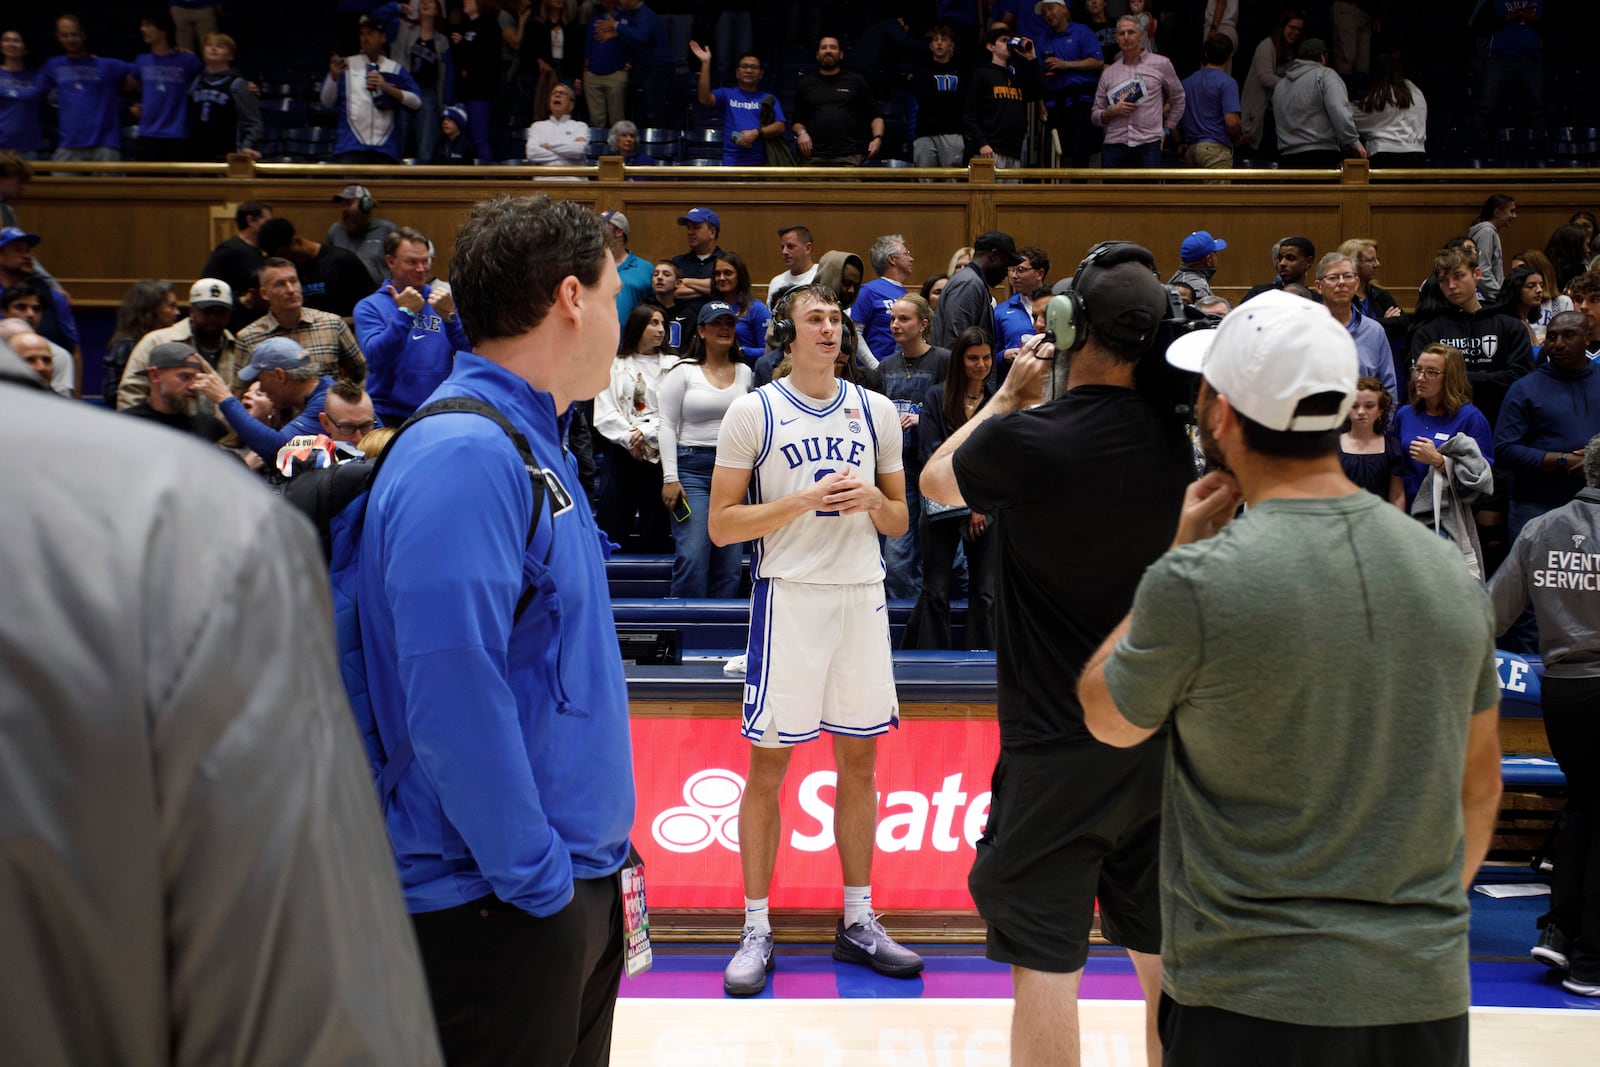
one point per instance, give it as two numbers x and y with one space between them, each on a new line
781 332
1066 319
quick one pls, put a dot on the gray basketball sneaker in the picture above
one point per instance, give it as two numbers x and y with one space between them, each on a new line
746 974
868 943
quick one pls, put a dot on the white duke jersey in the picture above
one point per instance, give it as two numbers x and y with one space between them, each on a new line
790 443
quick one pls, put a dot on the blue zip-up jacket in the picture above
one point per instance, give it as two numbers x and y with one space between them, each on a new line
1550 410
523 774
408 356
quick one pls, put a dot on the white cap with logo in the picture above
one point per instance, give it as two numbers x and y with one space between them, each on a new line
1271 353
209 293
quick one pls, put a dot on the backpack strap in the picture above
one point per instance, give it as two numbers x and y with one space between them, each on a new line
473 406
400 758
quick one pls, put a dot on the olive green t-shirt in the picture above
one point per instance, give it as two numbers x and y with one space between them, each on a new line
1321 661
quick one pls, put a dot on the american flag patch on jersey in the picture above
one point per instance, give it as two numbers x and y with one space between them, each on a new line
852 413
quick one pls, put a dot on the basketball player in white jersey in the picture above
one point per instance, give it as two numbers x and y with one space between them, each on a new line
820 457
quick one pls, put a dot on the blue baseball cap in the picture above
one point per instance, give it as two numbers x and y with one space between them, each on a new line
275 353
700 214
1199 245
17 233
712 310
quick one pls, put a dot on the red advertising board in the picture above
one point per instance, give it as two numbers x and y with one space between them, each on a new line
933 799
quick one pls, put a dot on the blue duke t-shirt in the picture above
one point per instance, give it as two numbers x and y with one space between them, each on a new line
87 92
165 93
742 111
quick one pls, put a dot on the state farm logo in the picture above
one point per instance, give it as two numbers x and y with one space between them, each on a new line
908 820
710 812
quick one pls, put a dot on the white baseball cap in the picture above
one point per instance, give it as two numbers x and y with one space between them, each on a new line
1271 353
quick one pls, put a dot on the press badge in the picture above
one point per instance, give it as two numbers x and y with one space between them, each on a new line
635 917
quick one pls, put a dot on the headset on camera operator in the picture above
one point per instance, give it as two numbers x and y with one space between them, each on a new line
1086 488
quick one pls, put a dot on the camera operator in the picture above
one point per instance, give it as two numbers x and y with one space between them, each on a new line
1071 819
1000 103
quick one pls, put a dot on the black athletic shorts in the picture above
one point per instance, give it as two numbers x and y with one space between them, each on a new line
1214 1037
1067 825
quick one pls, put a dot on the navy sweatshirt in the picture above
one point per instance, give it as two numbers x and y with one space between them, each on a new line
1549 410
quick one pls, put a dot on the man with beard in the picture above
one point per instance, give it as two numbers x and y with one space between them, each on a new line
205 330
172 370
966 300
1301 922
836 118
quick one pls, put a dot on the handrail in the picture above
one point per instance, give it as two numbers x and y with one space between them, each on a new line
979 172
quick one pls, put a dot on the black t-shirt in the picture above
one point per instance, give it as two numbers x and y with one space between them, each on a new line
335 281
206 427
477 58
236 262
940 90
837 111
1085 492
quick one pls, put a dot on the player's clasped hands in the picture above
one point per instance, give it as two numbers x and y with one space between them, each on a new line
847 494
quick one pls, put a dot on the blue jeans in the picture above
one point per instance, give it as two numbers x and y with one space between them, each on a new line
699 568
902 556
1115 156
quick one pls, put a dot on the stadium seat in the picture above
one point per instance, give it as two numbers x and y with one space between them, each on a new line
661 143
702 143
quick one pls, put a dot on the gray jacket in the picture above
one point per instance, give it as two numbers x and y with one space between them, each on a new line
194 868
1196 278
1312 109
1555 566
1471 478
966 301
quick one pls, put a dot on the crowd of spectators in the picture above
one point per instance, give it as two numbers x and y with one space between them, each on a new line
1130 83
287 336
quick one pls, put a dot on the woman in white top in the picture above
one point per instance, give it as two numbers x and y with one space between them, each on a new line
1270 60
1393 117
626 417
695 394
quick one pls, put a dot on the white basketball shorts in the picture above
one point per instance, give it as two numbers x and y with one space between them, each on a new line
819 658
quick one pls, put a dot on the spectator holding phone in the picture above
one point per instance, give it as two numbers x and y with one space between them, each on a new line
694 396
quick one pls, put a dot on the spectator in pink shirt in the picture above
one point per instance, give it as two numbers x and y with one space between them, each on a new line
1139 101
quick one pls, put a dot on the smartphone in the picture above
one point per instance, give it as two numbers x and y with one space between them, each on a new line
680 510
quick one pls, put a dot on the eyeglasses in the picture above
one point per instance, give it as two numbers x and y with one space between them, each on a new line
354 427
1021 268
903 252
749 66
1429 372
1339 279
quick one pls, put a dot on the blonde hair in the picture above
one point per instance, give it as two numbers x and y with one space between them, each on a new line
924 310
1457 388
958 260
373 442
223 39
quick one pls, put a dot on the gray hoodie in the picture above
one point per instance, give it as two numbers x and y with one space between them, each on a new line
1312 109
1555 566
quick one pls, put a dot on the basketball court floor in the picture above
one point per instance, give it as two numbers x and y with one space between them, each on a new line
816 1012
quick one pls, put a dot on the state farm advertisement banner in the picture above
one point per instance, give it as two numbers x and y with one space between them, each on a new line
933 800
